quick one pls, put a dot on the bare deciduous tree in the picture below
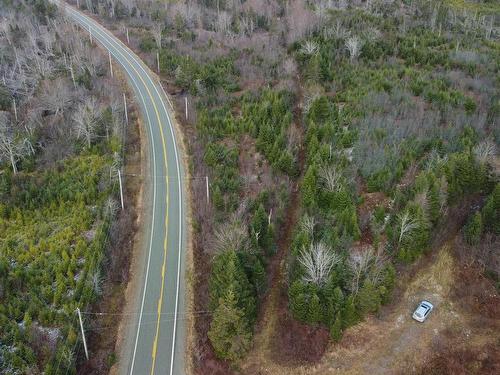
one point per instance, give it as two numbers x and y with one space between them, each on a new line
318 262
353 45
86 119
156 30
332 178
307 224
12 146
309 47
484 152
406 225
443 193
56 96
366 263
230 236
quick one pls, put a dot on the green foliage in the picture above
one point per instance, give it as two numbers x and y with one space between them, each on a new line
315 313
349 314
309 184
491 211
418 239
388 283
464 176
228 273
233 302
219 73
47 255
267 117
229 332
298 300
336 328
147 44
474 229
260 232
226 182
368 299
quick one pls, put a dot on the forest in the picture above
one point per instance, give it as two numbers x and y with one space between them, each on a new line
339 137
61 138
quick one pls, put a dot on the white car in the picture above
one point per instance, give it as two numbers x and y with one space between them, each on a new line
423 310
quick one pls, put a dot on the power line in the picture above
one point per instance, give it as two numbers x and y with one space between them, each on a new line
137 313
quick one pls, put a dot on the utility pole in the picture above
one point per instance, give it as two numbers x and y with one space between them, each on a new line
269 217
90 33
208 190
125 105
128 39
83 333
110 64
186 105
158 61
121 188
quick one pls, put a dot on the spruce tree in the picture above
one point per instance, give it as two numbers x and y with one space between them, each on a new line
336 328
434 204
349 315
298 300
491 212
309 184
227 271
368 298
229 331
334 302
473 229
315 313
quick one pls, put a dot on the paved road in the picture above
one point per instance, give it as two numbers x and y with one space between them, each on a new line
154 342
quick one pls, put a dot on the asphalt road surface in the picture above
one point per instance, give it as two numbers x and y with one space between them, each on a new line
154 342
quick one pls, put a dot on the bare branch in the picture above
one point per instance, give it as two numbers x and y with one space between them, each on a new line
318 262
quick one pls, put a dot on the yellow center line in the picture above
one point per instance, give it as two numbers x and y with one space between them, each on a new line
160 300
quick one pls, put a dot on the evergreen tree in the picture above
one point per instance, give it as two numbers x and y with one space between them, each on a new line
349 315
309 184
368 298
229 331
298 300
227 271
434 204
388 282
315 313
473 229
336 328
259 229
335 303
491 211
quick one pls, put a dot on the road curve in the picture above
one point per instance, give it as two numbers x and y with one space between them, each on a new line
154 342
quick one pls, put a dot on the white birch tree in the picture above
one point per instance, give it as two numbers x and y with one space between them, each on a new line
318 261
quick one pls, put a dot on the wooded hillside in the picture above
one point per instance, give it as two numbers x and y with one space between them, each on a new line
61 134
336 137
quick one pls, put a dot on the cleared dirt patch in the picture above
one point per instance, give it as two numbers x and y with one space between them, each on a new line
393 343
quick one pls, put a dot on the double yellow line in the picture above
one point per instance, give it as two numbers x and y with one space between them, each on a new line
160 299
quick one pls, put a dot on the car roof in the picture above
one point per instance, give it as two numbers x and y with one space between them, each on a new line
426 303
